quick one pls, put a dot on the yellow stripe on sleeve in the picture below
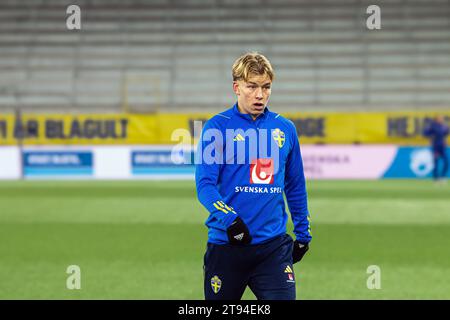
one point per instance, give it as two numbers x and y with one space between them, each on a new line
219 208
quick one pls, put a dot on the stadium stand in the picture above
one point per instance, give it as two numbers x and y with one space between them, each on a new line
147 56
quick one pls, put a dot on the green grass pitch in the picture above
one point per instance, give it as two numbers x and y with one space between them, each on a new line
146 240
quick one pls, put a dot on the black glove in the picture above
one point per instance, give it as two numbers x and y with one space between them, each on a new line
299 251
238 232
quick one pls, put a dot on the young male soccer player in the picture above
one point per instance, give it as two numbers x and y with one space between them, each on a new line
243 192
438 131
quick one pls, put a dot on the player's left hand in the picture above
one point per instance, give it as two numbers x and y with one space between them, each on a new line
299 251
238 232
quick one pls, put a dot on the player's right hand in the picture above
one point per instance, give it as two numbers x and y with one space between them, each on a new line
238 232
299 251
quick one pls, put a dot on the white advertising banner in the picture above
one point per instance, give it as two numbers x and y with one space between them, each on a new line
10 163
167 163
347 162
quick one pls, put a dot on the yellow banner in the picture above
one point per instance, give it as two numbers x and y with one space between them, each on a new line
403 128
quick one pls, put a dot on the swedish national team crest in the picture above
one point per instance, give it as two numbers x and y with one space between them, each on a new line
279 137
216 284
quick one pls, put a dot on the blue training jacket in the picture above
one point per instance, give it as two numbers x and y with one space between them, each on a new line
246 177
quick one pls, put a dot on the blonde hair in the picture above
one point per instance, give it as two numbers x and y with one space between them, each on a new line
251 63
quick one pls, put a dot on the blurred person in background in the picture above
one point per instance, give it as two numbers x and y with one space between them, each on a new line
437 131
